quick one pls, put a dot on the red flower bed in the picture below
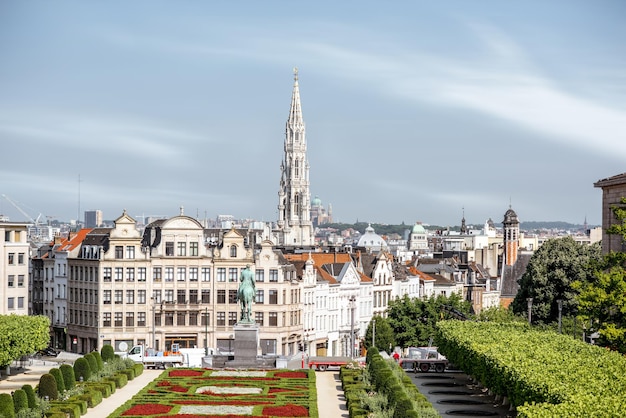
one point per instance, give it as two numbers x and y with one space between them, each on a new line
234 402
276 390
183 373
164 383
291 375
179 389
148 409
285 411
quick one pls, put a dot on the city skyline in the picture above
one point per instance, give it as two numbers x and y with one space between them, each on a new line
413 111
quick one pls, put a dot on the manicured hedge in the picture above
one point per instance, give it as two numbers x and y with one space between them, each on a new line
543 373
48 386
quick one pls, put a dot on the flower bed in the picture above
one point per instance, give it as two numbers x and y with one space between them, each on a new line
206 393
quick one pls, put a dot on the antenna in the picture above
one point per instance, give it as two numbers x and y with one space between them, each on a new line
78 217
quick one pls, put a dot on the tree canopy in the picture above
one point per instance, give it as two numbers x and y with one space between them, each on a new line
603 298
413 320
383 334
22 335
549 276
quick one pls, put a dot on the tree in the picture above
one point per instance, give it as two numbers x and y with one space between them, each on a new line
549 276
22 335
413 320
383 334
602 299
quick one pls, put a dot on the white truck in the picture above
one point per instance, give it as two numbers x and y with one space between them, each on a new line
153 359
423 359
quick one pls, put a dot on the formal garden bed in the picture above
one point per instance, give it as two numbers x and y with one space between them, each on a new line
190 393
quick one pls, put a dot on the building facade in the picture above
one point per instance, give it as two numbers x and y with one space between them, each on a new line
14 268
613 190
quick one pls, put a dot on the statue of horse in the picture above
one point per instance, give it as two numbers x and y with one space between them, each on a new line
246 294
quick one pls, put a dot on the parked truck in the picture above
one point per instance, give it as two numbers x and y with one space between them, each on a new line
323 363
423 359
152 359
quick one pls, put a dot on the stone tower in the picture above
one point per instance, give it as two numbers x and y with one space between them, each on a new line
294 197
511 237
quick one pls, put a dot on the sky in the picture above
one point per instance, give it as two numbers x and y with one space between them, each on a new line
414 110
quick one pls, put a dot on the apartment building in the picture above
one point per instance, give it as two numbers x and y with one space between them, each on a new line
14 261
170 284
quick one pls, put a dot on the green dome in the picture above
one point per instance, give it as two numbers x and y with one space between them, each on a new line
418 229
316 202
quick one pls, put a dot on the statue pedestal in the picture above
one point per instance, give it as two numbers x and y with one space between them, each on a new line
246 341
247 348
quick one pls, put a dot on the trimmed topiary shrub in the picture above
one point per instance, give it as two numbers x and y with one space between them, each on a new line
30 395
59 378
68 376
48 387
6 406
20 401
82 369
107 353
93 363
99 360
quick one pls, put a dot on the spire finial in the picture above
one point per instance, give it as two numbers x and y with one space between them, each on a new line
295 73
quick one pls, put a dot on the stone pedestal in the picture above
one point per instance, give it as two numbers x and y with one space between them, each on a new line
247 347
246 341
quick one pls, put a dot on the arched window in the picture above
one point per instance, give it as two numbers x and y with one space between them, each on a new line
233 251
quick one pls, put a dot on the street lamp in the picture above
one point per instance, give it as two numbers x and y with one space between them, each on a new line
559 303
352 307
530 306
206 330
153 323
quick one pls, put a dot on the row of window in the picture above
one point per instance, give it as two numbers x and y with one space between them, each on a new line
20 280
180 274
131 319
128 252
20 259
183 296
11 303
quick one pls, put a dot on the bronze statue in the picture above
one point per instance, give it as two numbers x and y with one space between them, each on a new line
246 294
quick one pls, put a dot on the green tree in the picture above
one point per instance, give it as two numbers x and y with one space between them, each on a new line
21 335
413 320
383 334
30 395
549 276
602 299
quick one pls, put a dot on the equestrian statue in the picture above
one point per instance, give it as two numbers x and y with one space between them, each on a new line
246 294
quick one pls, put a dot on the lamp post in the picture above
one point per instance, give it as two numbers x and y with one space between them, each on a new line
559 303
374 332
352 307
153 324
206 330
530 307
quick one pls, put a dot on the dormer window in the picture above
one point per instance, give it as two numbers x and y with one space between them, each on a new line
233 251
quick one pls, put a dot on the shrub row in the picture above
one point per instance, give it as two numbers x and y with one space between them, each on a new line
543 373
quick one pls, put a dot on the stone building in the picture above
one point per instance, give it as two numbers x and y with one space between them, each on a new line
613 190
14 261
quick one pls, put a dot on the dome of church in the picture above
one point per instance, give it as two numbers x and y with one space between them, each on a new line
510 217
418 229
316 201
371 239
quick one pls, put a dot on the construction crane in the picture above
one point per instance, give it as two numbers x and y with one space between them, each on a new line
22 211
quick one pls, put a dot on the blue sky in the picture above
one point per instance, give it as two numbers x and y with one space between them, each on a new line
414 110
